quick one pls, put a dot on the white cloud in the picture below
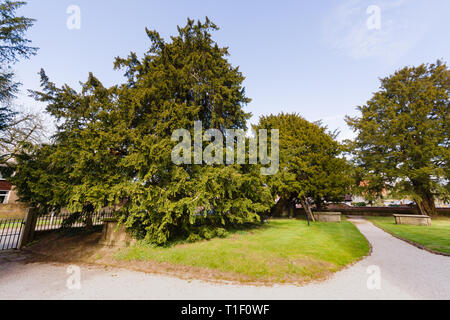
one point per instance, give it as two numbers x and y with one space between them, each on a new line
345 30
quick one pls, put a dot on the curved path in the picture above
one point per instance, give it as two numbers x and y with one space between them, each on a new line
405 271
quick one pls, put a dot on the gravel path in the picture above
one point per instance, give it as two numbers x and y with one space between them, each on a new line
406 272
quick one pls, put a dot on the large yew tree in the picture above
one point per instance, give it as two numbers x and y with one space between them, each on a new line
402 141
312 168
113 145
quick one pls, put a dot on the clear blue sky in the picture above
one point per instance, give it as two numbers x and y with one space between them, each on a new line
317 58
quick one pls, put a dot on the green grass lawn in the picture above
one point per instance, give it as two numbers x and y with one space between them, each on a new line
10 225
280 251
16 223
435 237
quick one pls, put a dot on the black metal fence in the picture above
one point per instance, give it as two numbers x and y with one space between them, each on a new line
52 222
10 230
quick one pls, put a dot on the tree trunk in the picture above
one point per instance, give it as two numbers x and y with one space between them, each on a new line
281 208
307 208
88 222
426 205
310 212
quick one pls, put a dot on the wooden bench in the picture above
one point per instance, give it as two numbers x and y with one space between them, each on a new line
327 216
413 219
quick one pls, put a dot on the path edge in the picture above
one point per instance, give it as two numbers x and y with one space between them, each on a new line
415 244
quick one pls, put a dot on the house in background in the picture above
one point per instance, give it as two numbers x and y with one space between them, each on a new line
10 207
5 190
6 193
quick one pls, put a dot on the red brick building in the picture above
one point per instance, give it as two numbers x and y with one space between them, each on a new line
7 194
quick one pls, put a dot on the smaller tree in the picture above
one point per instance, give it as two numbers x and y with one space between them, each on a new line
23 128
13 46
403 135
312 170
37 185
6 116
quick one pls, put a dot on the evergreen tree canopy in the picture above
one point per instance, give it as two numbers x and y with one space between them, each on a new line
113 145
311 167
13 46
403 135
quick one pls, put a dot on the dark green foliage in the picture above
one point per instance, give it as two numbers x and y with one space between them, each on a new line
113 145
13 46
311 167
403 136
6 116
359 204
12 31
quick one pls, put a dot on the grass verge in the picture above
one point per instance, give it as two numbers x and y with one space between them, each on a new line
279 251
435 237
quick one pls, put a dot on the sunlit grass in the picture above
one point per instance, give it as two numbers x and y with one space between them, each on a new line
435 237
280 250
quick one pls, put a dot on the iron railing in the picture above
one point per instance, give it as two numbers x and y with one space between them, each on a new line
52 222
10 230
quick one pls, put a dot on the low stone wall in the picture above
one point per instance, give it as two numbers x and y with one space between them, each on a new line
416 220
375 211
13 211
114 235
327 216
